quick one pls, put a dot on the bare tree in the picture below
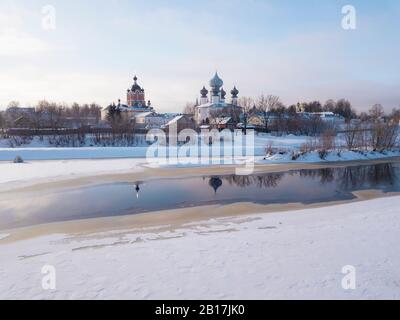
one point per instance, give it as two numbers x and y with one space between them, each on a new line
281 122
265 104
189 108
384 136
313 106
13 104
328 139
376 112
247 104
2 121
395 115
344 108
329 106
351 135
95 111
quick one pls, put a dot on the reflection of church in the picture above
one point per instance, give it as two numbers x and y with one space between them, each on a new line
214 101
215 183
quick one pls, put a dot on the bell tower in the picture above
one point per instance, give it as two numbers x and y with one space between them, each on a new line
135 96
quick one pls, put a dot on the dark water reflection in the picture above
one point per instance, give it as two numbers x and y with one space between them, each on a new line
347 178
119 198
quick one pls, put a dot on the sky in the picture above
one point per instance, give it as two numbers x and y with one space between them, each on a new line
295 49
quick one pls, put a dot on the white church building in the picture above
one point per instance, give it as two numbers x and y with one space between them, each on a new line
214 101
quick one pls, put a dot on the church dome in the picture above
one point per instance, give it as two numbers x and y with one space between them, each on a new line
216 81
135 86
234 92
204 92
223 93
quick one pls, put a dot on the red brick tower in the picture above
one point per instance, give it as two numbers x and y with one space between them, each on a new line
135 95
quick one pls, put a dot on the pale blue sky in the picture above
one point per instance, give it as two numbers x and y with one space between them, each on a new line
294 49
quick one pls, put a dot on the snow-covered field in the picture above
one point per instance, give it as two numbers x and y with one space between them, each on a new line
64 169
284 146
38 151
295 255
8 154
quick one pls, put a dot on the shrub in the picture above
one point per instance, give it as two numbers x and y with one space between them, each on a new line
328 139
282 151
323 153
295 155
268 149
18 159
309 146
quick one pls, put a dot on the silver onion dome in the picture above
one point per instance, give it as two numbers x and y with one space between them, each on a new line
216 81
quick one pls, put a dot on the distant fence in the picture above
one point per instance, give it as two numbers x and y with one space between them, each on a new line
88 130
67 131
354 130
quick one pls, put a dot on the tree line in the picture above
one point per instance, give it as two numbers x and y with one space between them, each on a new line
51 114
300 118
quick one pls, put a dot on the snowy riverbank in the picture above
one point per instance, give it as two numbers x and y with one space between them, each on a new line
50 170
331 156
36 171
298 254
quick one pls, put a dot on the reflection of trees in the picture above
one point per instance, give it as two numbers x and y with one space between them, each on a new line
270 180
325 175
240 181
357 176
367 176
383 173
265 181
346 178
351 177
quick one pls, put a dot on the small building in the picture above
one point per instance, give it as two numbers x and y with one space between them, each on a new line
13 113
181 122
24 122
223 123
150 120
324 116
258 120
330 116
78 122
